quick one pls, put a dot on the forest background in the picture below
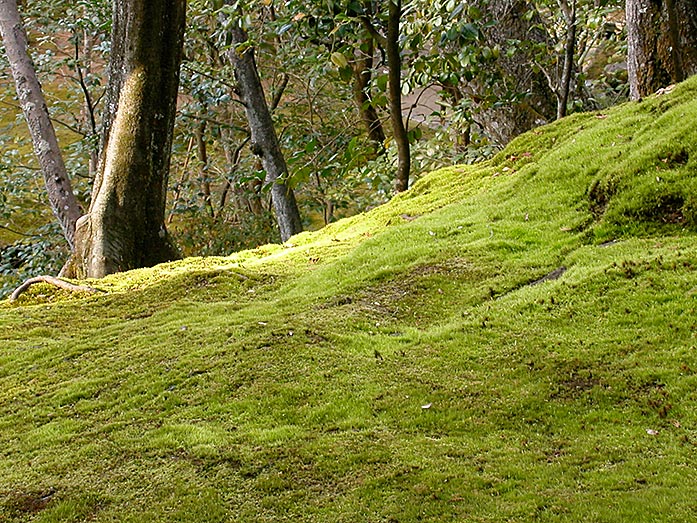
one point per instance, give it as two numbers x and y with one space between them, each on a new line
471 76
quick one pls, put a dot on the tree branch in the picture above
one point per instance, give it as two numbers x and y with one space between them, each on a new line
236 155
52 118
416 103
213 121
232 87
377 35
26 235
279 92
550 83
83 86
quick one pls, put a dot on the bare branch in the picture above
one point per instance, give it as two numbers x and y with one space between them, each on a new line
279 92
83 86
377 35
213 121
236 156
18 233
232 87
416 102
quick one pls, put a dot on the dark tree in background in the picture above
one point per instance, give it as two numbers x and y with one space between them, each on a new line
394 63
362 72
513 23
125 228
661 42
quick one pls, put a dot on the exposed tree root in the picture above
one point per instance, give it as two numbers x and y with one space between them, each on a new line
53 281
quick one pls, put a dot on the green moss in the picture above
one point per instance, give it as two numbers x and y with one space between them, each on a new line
513 341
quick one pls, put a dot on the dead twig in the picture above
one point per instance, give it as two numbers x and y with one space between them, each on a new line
62 284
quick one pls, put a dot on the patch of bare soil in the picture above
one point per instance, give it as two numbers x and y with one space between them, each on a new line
406 296
19 504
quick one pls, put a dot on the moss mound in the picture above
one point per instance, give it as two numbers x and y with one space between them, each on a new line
512 341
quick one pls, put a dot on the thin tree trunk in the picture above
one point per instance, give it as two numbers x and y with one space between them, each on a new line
88 116
263 135
60 194
565 87
362 71
182 179
461 139
202 154
232 156
125 227
394 63
674 39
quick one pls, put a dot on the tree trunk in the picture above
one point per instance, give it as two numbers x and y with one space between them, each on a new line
202 154
125 226
394 63
263 135
503 123
569 48
362 69
60 194
661 44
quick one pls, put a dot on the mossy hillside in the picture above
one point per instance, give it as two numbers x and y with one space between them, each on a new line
505 342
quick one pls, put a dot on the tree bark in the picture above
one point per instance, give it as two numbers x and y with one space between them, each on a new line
569 49
125 226
202 154
362 71
661 44
503 123
394 64
263 135
60 193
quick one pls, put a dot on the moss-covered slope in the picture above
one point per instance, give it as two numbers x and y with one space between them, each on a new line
512 341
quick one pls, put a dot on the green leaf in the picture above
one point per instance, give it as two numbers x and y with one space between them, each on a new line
414 134
381 82
345 73
474 12
469 32
339 60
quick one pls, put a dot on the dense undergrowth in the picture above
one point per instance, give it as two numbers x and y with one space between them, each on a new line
511 341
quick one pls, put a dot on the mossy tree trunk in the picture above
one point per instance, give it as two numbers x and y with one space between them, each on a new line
60 194
661 43
264 141
125 228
